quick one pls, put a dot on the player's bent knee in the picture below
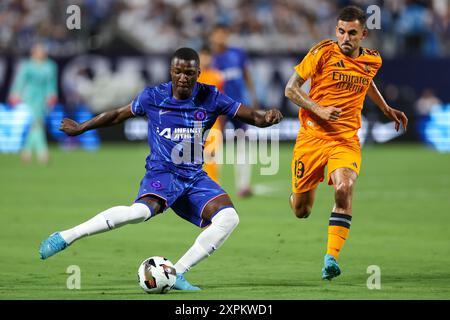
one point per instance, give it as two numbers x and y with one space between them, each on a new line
233 219
344 187
226 218
302 212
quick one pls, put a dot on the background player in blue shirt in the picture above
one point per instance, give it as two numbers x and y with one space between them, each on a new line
233 63
178 112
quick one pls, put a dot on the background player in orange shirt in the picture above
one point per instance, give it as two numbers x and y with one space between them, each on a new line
214 77
341 75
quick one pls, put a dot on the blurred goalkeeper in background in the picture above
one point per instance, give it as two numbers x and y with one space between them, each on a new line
35 85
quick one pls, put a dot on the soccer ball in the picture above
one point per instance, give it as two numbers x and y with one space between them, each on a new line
156 275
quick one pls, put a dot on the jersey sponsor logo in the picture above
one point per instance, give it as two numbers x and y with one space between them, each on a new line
178 134
350 82
166 133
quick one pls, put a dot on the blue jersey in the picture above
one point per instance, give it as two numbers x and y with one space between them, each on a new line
176 128
232 63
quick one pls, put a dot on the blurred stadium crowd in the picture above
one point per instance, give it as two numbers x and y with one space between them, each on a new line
419 27
124 44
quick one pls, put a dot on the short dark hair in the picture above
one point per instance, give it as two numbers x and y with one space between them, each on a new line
206 48
221 26
186 54
352 13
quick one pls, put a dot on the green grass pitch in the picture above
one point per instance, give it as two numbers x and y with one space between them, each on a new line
401 223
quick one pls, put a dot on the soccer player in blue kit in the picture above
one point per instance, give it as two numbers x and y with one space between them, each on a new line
178 112
233 63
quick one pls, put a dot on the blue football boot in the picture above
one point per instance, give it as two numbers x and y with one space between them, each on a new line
183 284
52 245
331 268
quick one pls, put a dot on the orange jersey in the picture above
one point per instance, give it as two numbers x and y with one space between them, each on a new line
339 81
212 77
213 142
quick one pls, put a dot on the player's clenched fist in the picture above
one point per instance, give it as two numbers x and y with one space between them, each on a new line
70 127
273 116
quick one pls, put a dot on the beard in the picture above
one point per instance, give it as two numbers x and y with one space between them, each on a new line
347 49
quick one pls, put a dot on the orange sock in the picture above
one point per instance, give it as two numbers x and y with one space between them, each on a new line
338 230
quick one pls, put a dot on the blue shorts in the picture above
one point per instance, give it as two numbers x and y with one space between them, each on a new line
186 195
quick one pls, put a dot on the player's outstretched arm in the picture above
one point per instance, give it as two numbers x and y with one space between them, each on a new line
258 118
297 95
391 113
105 119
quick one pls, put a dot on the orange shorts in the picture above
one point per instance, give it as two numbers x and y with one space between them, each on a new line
312 154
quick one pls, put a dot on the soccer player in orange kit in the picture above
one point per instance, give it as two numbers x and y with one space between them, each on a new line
214 77
341 74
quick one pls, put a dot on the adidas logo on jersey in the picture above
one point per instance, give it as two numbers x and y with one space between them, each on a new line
339 64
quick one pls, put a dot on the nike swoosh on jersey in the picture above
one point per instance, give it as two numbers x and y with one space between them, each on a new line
161 111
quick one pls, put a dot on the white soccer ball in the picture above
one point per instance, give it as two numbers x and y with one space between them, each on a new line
157 275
